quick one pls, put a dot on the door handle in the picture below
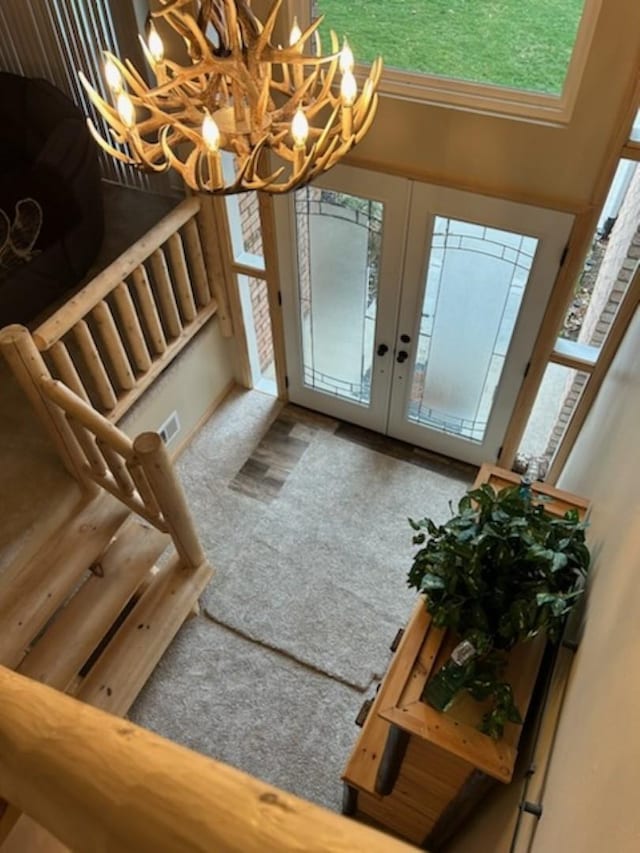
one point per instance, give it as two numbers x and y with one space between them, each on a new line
403 355
383 349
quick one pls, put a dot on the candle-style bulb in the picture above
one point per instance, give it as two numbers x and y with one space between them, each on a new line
300 128
126 110
296 33
113 76
156 47
346 58
348 88
211 133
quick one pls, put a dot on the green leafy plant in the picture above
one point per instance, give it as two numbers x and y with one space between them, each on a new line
498 573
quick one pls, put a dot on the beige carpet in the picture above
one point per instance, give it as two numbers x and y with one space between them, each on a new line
309 592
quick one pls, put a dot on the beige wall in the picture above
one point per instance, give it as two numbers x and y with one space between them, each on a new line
553 165
197 380
590 804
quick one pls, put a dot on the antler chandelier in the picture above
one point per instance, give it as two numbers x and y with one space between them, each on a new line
241 94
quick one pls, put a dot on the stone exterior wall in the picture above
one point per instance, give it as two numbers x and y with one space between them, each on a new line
618 264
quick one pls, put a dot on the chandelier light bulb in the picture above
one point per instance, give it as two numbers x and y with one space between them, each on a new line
296 33
300 128
211 133
348 88
113 76
346 58
156 47
126 110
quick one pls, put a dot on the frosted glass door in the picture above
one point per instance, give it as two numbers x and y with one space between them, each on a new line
475 283
338 238
475 288
340 273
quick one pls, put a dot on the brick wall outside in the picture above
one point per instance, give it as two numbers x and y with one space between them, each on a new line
250 223
618 263
307 200
261 321
252 239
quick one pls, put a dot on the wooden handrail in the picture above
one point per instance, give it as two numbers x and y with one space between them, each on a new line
71 403
83 302
97 782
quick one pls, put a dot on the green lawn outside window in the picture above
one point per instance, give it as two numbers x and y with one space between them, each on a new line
524 44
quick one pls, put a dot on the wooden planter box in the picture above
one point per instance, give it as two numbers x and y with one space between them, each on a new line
415 771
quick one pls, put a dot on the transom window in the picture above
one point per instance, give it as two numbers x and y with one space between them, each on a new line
521 45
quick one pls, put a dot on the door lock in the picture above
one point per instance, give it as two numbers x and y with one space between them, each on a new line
405 339
403 355
383 349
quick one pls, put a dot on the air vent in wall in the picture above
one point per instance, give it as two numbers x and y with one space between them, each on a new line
170 428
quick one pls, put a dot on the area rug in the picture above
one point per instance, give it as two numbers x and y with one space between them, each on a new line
307 529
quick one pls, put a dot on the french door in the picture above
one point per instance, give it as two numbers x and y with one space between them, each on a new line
413 309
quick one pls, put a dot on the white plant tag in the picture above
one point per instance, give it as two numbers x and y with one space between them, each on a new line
463 652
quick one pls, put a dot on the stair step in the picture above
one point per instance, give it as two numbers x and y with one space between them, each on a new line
31 592
68 643
129 659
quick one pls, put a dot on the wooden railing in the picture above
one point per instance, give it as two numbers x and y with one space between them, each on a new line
99 783
112 339
139 473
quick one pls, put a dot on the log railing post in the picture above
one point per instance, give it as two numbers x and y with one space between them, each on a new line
156 464
27 365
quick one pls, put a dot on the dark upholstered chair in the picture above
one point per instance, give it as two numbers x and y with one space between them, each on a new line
47 154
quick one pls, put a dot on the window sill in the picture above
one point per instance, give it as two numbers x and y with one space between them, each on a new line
474 97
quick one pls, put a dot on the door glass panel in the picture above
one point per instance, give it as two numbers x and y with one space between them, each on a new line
338 245
474 287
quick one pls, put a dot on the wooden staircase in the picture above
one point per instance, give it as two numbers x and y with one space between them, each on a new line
92 612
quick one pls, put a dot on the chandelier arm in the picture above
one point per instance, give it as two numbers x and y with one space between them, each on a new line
136 83
267 30
109 149
186 26
325 91
368 121
214 17
324 136
298 45
231 20
376 71
135 74
183 24
105 109
186 170
250 26
280 55
264 100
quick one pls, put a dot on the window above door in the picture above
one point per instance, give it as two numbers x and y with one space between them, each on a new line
503 56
